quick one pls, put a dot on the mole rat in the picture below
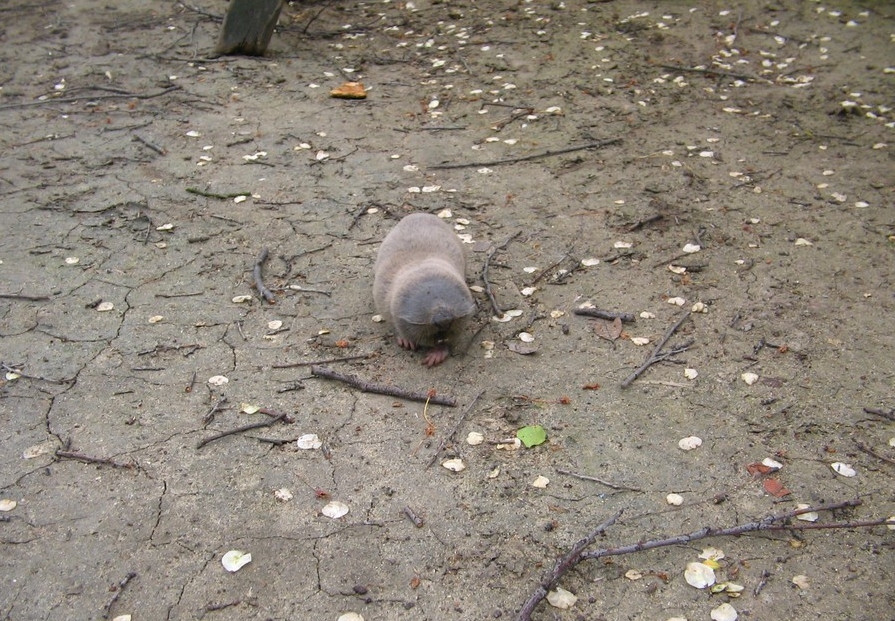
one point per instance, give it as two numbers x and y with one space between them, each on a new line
420 284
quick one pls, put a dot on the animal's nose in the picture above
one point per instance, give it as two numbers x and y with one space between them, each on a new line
442 320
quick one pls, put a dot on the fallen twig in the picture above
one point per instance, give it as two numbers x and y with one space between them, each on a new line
65 100
256 275
258 425
497 310
534 156
768 523
382 389
19 372
873 453
199 192
450 436
585 477
149 145
655 356
879 412
601 314
310 363
715 72
27 298
87 459
413 517
119 589
564 564
214 410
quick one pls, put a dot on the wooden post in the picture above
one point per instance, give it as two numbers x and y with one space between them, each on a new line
248 26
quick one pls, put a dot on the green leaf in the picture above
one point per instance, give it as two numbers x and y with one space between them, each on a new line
532 435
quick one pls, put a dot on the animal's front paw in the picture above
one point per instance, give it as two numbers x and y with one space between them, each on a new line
406 344
436 356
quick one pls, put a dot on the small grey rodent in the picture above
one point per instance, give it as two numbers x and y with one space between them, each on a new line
420 284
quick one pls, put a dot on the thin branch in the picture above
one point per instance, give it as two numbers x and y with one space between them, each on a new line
601 314
564 564
27 298
882 413
259 283
87 459
310 363
381 389
118 591
534 156
655 356
585 477
230 432
715 72
769 523
44 102
873 453
497 310
450 437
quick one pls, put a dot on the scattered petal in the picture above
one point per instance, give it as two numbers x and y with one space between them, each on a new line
283 494
217 380
103 307
529 269
508 316
7 504
691 248
454 465
37 450
248 408
843 469
689 443
165 227
193 133
556 314
309 441
675 500
691 373
540 482
12 375
622 244
699 575
72 260
155 319
633 574
377 318
590 262
526 337
724 612
234 560
350 616
803 242
494 473
711 554
647 315
771 463
801 581
639 340
811 516
240 199
749 378
474 438
677 269
562 599
528 290
445 213
699 307
240 299
276 324
334 509
677 301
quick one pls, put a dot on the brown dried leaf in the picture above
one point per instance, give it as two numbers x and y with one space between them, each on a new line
775 488
609 330
349 90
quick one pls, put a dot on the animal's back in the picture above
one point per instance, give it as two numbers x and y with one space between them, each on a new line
416 238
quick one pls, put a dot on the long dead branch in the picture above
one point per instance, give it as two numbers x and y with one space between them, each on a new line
382 389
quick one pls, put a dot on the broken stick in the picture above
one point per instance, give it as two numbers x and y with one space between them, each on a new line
382 389
259 284
656 355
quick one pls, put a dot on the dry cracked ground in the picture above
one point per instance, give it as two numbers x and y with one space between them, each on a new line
578 147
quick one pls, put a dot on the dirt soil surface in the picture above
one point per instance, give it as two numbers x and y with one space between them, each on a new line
583 150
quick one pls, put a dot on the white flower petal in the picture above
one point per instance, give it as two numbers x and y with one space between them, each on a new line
234 560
